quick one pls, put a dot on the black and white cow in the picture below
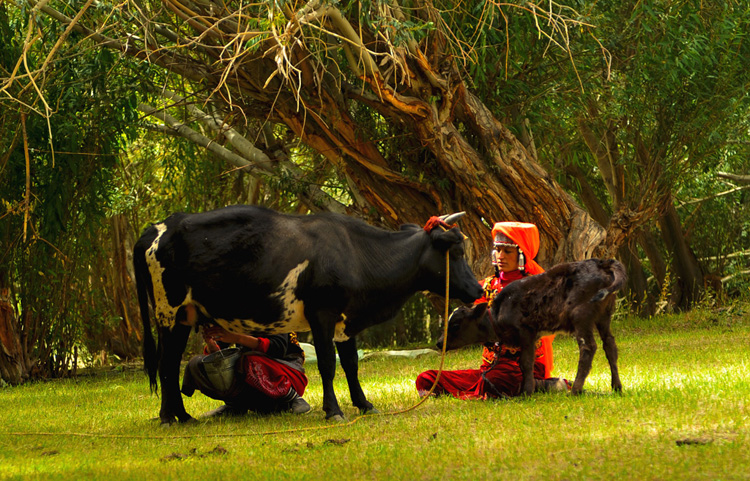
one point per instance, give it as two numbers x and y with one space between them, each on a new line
252 270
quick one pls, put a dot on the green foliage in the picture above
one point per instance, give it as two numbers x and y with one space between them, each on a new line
667 75
72 149
418 323
719 226
666 81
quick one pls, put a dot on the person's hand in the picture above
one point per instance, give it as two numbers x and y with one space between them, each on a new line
211 345
214 333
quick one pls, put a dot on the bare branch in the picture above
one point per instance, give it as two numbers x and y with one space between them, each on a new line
197 138
732 276
714 196
742 179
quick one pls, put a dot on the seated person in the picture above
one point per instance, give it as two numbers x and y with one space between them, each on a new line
270 376
516 244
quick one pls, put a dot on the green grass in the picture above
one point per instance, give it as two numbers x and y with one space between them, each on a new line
684 414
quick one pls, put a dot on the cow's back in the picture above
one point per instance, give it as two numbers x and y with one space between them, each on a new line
252 263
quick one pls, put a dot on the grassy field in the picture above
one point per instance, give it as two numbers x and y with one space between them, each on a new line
684 414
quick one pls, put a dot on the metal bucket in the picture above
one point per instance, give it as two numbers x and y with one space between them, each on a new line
220 367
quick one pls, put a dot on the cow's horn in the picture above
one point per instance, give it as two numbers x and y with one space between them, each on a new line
452 218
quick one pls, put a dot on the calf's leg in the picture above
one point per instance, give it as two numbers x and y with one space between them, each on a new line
172 346
586 351
350 364
526 363
610 349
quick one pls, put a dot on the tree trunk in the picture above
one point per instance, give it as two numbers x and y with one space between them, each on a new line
684 262
637 285
11 355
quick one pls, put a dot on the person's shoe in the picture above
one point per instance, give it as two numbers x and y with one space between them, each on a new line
224 410
294 402
553 384
299 406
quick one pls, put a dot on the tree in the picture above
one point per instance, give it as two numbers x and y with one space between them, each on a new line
63 124
382 92
660 112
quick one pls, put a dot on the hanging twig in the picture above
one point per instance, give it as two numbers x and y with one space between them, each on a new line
27 196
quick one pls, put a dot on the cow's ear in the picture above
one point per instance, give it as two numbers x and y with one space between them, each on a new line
443 240
479 310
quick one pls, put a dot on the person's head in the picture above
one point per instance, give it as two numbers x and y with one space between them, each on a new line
515 246
505 254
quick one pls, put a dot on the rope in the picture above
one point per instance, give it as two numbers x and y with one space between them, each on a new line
445 342
283 431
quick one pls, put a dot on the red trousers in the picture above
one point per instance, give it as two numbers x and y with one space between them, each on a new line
503 379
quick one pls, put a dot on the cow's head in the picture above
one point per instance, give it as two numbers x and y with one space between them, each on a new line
468 325
463 285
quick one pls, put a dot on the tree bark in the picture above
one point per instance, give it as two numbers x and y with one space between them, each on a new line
11 353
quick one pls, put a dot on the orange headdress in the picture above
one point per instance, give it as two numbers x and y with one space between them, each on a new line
523 235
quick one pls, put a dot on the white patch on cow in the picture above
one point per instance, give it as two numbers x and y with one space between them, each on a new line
338 334
292 317
293 309
163 311
235 325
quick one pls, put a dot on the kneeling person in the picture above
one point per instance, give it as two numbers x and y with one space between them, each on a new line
269 375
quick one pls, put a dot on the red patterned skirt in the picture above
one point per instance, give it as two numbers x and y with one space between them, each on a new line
503 379
271 377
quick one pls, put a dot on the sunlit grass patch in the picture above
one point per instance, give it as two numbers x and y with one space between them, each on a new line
683 414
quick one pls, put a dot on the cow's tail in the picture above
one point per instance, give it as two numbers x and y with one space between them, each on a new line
142 283
619 275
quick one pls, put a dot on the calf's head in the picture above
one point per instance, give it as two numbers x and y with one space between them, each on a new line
468 325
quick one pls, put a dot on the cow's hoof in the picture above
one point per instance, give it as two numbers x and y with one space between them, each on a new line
339 418
168 421
370 410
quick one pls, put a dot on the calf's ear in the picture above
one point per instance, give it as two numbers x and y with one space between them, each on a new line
479 310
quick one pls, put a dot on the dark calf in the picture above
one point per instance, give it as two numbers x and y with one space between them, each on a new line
575 298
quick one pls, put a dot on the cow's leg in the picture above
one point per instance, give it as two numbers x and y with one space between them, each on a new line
350 364
172 346
323 339
586 351
526 362
610 349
